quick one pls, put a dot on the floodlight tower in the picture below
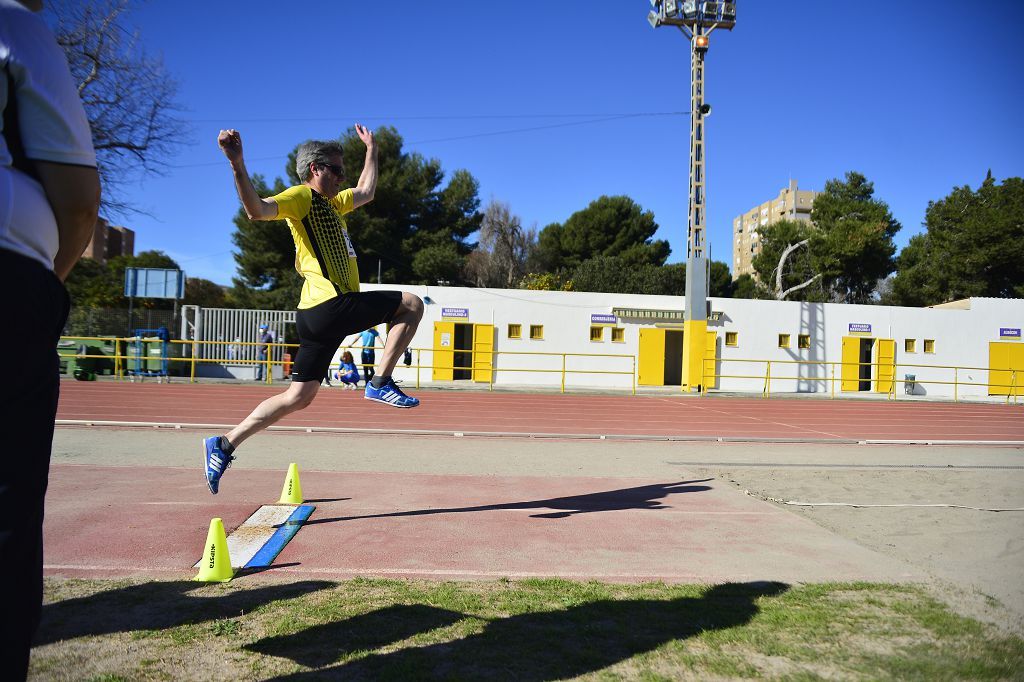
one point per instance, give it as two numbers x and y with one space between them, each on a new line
696 20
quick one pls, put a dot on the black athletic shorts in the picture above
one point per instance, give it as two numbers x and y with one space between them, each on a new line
322 328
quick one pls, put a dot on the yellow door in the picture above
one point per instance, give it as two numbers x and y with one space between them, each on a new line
850 370
444 358
710 356
1006 368
651 366
886 362
483 352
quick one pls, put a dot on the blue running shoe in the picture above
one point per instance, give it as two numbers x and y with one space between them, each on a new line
390 394
216 462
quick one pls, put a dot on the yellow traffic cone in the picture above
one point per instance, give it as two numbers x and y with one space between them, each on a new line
215 566
291 493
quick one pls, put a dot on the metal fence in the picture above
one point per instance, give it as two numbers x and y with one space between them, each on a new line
189 354
88 321
232 336
883 377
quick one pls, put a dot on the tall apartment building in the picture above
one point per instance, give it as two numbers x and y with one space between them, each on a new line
109 241
791 204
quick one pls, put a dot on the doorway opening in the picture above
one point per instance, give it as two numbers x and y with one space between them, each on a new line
673 358
864 373
463 361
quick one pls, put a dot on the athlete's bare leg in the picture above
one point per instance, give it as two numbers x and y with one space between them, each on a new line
403 328
298 396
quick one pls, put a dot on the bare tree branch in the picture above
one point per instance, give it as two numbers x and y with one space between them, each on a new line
779 294
129 97
798 287
502 249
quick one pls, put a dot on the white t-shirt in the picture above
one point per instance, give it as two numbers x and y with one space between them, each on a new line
40 100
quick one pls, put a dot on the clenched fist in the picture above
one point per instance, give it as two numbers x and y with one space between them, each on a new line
230 142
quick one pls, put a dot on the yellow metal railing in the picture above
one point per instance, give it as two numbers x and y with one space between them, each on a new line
829 368
193 359
709 366
563 370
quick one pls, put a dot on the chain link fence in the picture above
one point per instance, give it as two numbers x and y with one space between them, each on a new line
87 321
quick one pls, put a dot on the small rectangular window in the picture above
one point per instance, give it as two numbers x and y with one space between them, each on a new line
783 340
909 345
929 345
515 331
803 341
597 334
536 331
732 338
618 335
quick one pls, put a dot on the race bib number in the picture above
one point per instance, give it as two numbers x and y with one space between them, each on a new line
348 245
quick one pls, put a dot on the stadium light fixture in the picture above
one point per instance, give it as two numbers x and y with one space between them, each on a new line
696 20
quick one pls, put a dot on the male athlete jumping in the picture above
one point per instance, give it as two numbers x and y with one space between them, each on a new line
331 306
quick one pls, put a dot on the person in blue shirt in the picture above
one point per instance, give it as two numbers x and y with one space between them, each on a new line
368 340
347 372
266 336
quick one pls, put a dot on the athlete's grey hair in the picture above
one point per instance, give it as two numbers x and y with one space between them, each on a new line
314 151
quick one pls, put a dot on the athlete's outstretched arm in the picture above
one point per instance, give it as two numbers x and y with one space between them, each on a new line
363 192
256 208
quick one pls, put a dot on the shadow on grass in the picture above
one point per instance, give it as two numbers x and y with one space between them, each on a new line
156 606
548 645
640 497
324 644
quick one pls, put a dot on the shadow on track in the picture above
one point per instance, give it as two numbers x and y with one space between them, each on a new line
641 497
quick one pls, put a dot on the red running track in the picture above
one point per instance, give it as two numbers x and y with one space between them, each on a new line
580 415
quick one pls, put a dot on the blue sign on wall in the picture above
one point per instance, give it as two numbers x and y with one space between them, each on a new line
860 328
154 283
455 312
1009 333
600 318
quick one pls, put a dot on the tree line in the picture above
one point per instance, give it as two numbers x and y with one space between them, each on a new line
422 229
426 226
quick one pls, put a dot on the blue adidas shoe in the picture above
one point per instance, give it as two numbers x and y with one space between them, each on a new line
390 394
215 461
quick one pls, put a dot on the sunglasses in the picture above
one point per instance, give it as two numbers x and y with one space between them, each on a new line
339 172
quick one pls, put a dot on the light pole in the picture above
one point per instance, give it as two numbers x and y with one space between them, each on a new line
696 20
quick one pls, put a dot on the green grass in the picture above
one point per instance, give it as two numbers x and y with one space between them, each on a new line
531 629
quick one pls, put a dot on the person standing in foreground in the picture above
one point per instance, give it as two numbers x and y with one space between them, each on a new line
49 200
331 306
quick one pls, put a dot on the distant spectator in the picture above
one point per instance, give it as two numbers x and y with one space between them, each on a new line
347 372
266 336
368 340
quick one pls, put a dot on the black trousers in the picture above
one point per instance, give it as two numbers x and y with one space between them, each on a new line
368 358
34 307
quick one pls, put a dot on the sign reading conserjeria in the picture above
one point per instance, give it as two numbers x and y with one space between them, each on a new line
1009 332
860 328
455 312
602 318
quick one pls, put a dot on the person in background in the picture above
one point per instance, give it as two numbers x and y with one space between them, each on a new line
49 203
347 372
266 336
368 340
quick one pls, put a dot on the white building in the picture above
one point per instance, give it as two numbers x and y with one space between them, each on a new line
516 337
811 346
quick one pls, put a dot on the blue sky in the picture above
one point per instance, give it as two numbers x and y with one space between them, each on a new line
920 98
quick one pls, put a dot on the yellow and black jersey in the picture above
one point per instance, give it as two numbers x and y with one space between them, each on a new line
323 251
